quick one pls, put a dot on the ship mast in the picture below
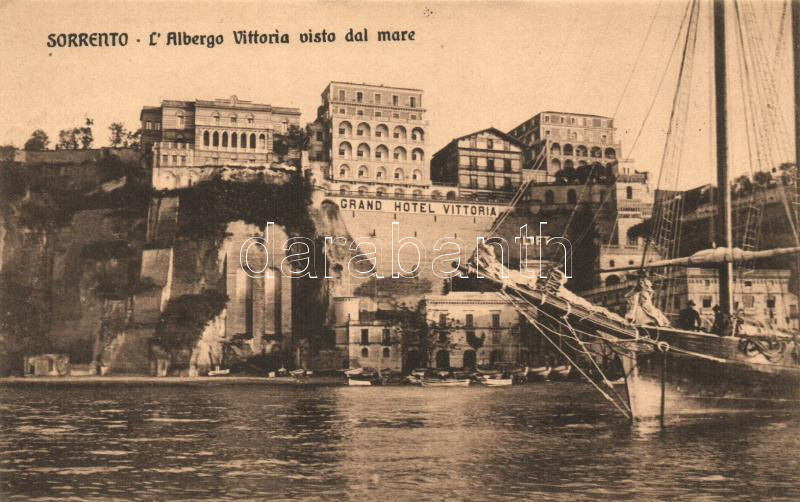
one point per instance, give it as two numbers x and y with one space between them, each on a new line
724 229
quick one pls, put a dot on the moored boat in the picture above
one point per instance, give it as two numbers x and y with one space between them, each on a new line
539 372
561 372
445 382
497 382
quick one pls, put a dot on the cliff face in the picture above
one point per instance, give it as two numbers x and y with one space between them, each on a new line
71 244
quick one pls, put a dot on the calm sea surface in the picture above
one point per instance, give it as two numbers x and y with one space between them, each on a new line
536 441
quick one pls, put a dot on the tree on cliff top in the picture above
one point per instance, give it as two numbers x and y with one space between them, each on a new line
121 137
38 141
77 137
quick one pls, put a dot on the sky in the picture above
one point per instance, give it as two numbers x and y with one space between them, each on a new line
480 64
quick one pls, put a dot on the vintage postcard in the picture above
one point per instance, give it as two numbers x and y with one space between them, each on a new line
369 250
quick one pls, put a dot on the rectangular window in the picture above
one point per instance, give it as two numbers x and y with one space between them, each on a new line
706 302
473 182
395 100
470 320
473 163
490 183
442 320
770 302
319 135
365 336
377 98
148 124
341 95
490 164
495 320
749 301
386 337
490 144
507 165
378 114
359 97
359 112
412 102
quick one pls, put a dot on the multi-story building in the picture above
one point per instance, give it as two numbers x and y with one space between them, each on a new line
471 328
560 140
222 132
372 135
363 339
480 164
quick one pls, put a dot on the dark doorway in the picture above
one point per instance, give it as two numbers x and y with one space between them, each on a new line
443 359
469 359
413 360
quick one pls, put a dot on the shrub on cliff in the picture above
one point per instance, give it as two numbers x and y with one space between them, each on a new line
185 317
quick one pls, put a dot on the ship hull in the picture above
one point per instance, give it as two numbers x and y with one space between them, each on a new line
698 371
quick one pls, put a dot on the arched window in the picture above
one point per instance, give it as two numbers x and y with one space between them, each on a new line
436 194
363 172
235 140
417 134
224 140
555 148
262 141
549 197
399 174
365 352
380 192
387 352
611 153
416 175
345 128
362 190
234 119
215 116
612 280
572 197
417 192
580 151
363 130
418 155
556 164
206 137
363 151
399 192
567 149
250 119
381 131
216 138
344 190
381 152
399 133
243 140
380 172
344 171
596 152
568 164
400 154
345 150
181 120
253 141
451 195
628 192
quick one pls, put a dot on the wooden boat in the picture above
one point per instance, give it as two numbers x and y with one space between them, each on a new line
497 382
561 372
446 382
353 372
540 372
219 372
359 382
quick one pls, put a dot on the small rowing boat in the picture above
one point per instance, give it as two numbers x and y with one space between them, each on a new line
447 382
540 372
561 372
358 382
497 382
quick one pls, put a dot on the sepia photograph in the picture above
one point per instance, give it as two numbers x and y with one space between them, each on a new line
384 250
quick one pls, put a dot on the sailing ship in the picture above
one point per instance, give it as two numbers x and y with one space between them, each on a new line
639 362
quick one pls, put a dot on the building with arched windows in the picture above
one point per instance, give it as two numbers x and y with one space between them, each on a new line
382 129
558 140
223 132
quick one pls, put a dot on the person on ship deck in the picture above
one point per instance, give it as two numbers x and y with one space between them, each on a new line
689 318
